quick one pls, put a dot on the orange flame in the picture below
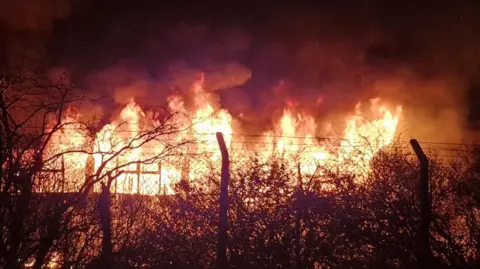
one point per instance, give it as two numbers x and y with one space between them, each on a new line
362 139
65 154
120 146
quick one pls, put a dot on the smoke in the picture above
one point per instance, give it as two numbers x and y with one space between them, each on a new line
326 59
25 25
426 63
123 82
116 86
32 15
218 76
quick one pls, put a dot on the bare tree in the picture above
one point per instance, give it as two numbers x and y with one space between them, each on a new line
31 111
38 207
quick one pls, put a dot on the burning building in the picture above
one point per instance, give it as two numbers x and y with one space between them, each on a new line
145 152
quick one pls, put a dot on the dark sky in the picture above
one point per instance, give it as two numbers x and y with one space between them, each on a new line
427 54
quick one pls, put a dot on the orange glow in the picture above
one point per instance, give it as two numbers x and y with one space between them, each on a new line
53 263
65 155
363 137
126 146
122 146
207 121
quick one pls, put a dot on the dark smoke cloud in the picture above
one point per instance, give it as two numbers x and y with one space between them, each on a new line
426 61
424 56
208 40
24 26
32 15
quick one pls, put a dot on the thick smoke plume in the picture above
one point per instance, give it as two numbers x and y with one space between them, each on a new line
25 26
323 59
32 15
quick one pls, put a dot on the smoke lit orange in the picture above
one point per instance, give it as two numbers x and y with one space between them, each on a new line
293 137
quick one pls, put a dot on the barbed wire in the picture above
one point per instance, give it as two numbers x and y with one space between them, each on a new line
322 142
264 135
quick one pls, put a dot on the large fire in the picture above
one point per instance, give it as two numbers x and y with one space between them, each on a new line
125 150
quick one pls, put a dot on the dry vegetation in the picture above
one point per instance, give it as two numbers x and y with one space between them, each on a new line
279 217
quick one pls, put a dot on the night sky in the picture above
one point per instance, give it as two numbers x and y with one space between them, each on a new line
425 55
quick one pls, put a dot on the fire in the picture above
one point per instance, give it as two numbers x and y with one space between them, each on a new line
294 138
121 136
66 146
126 147
362 139
123 153
207 122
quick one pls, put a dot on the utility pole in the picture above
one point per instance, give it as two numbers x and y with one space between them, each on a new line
425 258
298 217
223 205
